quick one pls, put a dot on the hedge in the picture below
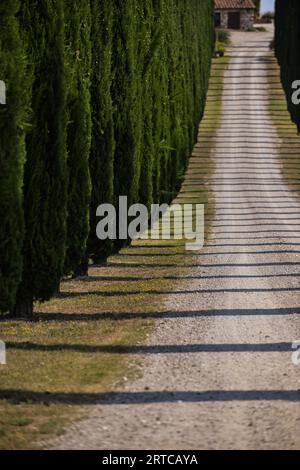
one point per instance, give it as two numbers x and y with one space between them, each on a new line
287 40
116 89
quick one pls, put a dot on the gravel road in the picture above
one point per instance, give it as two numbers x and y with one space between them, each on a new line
218 371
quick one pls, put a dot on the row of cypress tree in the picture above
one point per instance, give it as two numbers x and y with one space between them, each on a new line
104 98
287 40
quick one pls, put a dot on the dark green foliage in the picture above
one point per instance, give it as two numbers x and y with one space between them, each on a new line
223 36
267 17
127 98
78 54
45 195
127 89
257 4
150 71
103 143
180 81
116 89
12 153
147 49
161 103
287 40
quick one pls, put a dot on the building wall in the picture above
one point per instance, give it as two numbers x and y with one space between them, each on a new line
224 19
247 18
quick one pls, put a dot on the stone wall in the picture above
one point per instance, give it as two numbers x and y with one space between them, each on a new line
247 19
224 19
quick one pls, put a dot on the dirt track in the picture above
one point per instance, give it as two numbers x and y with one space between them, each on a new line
218 371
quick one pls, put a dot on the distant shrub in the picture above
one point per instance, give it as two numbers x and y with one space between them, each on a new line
267 17
261 29
223 36
220 49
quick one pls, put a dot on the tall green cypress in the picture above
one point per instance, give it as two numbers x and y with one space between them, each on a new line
181 102
149 66
127 100
180 81
148 44
205 37
12 153
161 106
287 38
257 4
45 195
78 53
103 141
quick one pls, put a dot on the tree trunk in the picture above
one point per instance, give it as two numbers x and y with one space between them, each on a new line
82 270
23 309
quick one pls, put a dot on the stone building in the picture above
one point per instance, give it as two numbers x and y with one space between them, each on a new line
235 14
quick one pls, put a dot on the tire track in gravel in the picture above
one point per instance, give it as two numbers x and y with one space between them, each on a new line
229 381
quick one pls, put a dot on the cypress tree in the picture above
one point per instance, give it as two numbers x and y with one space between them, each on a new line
149 66
205 37
45 195
287 37
181 74
161 107
103 141
180 94
257 4
13 117
148 45
127 100
78 48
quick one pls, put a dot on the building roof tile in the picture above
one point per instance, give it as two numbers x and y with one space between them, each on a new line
234 4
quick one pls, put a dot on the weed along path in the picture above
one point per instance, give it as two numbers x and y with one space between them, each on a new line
217 372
